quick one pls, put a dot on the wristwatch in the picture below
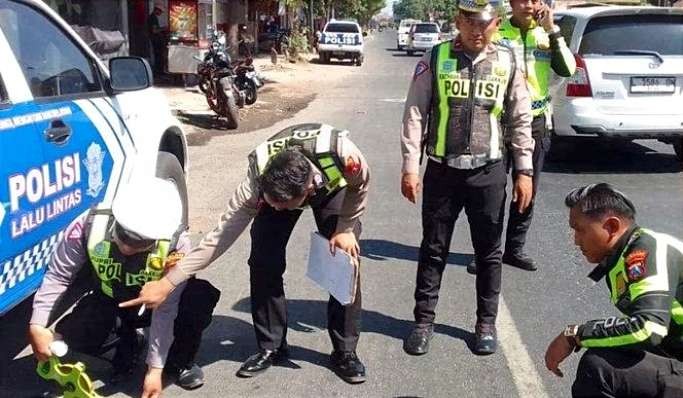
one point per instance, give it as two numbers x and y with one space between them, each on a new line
570 332
526 172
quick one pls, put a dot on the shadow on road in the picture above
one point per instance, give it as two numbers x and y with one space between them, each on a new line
406 55
310 315
605 157
203 121
317 61
383 250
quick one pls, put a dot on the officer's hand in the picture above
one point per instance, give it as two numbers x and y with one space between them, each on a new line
523 192
40 338
546 20
152 294
347 242
557 351
152 386
410 186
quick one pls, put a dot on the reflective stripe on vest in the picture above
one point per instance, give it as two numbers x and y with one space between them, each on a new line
112 274
536 62
488 87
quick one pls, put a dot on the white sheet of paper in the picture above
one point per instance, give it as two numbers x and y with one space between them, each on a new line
336 274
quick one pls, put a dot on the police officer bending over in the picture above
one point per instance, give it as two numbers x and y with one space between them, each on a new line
641 353
305 165
459 91
125 246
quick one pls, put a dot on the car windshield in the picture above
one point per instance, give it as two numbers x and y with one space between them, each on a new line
633 33
426 28
342 28
405 24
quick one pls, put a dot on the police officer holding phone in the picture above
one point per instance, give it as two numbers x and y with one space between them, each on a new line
539 50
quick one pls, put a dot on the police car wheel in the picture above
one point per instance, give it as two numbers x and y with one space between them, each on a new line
169 168
678 148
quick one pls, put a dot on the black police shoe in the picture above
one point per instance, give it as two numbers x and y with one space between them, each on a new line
189 378
472 267
261 361
486 341
417 343
347 366
519 260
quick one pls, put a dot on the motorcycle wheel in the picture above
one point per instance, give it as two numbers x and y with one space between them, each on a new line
203 85
249 87
212 100
228 108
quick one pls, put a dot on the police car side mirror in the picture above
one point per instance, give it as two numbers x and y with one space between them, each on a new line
129 74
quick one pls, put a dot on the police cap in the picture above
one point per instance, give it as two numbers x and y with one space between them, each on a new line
150 208
482 10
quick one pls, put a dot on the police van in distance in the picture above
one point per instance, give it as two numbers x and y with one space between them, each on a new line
341 40
72 131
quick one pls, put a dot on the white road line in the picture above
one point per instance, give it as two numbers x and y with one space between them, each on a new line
527 380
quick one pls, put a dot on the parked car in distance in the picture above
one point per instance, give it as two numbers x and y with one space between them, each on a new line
629 77
422 37
402 33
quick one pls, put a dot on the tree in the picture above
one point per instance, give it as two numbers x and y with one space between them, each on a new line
424 10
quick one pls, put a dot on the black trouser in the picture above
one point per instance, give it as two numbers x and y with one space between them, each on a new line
519 223
627 373
87 327
270 233
481 192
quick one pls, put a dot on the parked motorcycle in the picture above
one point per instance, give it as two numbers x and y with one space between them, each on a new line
217 82
247 79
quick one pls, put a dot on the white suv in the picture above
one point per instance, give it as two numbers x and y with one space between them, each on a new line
72 130
341 40
629 78
422 37
403 31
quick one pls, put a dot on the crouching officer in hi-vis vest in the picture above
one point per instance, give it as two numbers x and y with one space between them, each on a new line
641 353
304 165
459 91
137 240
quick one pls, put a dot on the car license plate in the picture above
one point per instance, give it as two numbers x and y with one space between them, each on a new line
426 39
653 84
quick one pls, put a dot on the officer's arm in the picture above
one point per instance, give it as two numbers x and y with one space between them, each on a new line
648 316
562 60
162 328
66 261
518 121
241 209
357 175
415 114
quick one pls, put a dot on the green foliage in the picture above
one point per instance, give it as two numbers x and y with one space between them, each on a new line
298 42
424 9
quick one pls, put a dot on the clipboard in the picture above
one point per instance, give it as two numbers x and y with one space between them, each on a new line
336 274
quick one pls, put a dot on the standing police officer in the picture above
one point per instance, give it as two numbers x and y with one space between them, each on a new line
641 353
304 165
539 49
459 91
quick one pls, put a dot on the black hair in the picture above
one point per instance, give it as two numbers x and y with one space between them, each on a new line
599 200
286 176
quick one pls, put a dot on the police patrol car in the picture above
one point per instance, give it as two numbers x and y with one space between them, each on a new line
341 40
72 130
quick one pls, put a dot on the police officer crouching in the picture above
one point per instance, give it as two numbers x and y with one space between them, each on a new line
308 165
641 353
459 92
135 241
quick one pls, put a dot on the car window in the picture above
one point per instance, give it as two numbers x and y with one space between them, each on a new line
426 28
607 35
52 63
342 28
566 24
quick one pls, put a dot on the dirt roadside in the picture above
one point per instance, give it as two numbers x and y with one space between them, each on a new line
218 157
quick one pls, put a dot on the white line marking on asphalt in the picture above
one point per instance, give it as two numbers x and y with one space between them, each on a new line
527 380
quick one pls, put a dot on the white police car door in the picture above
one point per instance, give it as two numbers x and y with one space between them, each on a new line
46 192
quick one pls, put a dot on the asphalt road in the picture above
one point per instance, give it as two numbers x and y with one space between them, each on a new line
535 307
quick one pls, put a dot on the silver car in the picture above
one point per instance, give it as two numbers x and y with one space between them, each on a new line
629 78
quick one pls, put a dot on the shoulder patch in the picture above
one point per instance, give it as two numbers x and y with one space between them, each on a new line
636 265
75 231
420 69
352 166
